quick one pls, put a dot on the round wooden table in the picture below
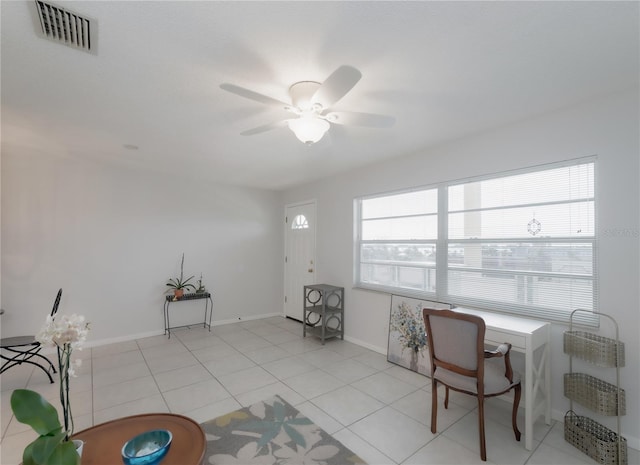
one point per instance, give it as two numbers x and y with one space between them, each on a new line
103 443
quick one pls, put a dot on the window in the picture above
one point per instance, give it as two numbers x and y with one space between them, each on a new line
517 242
398 236
300 222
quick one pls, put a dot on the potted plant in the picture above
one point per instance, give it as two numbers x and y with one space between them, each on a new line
201 289
54 445
180 284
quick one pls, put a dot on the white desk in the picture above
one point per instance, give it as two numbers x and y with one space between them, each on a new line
525 336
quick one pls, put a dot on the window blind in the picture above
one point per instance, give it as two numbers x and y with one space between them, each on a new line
524 242
521 242
397 241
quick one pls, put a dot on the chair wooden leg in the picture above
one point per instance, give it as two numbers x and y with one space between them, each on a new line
446 397
434 404
514 415
483 446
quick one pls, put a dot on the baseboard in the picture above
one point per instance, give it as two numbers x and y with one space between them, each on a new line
366 345
129 337
245 318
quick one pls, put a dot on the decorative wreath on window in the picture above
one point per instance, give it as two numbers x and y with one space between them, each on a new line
534 227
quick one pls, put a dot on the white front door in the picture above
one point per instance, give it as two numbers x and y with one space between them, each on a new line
300 256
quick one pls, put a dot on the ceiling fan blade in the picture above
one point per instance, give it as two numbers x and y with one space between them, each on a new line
264 128
336 86
353 118
251 95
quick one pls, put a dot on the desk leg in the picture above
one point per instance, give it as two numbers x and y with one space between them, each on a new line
541 375
547 376
538 380
528 398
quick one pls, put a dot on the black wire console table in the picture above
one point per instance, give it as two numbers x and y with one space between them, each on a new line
186 297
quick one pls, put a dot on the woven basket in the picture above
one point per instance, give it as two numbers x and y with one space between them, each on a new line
595 440
593 393
601 351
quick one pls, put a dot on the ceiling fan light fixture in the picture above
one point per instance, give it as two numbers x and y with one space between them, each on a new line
308 129
311 103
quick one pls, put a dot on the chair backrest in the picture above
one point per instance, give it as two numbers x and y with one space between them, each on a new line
456 341
56 303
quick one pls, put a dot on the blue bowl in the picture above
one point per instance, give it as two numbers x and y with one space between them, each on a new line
147 448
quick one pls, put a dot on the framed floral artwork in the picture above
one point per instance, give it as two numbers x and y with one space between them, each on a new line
407 339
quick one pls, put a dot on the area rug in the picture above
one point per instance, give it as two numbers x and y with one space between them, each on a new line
272 432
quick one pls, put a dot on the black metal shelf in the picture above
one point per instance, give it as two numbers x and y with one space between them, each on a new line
186 297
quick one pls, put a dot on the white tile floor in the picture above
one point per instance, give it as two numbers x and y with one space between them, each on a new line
379 410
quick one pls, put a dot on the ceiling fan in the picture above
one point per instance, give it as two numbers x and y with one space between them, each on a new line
311 102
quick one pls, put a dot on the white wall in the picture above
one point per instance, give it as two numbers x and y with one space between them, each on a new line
607 128
112 236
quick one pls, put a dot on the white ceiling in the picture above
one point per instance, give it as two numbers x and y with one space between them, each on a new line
445 70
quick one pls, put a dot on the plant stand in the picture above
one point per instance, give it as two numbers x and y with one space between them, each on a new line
171 299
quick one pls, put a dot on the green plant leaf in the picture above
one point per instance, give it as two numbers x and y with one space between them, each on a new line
32 409
45 446
179 283
64 454
27 455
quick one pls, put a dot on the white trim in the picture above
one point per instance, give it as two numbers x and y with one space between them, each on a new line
360 343
240 319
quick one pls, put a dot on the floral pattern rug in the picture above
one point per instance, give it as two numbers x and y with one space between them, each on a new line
272 432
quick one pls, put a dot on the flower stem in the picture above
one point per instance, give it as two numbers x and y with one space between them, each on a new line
64 360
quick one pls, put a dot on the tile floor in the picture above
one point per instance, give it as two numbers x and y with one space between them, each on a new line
379 410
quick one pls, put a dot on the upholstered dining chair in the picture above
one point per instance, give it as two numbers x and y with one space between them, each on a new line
25 349
460 362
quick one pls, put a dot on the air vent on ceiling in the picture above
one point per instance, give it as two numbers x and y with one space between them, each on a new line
64 26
